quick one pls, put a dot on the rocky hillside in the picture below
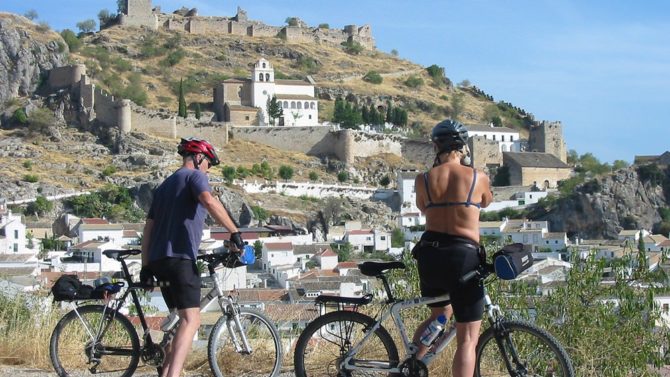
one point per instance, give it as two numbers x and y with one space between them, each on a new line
27 51
600 208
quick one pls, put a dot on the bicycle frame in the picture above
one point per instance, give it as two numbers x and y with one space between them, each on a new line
393 311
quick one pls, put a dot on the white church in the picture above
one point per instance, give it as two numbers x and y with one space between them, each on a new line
244 102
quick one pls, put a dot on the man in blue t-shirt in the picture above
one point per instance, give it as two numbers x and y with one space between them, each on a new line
171 239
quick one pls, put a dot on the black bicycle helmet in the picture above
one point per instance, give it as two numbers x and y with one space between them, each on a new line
449 135
193 146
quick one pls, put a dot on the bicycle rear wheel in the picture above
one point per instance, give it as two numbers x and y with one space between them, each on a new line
225 350
327 339
529 350
85 342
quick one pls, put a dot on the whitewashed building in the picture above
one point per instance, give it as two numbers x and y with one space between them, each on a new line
508 139
368 239
410 215
12 233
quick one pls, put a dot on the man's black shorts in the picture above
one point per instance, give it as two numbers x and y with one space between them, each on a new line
182 274
442 260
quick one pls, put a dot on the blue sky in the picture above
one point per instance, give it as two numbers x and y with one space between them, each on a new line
600 67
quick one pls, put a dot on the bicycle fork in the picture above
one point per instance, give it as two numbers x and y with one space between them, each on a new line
238 338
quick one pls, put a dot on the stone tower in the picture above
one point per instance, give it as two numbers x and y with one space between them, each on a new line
484 153
139 13
547 137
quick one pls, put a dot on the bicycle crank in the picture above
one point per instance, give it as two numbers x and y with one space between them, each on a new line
413 368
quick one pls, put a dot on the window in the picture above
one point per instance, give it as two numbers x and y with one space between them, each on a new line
494 137
260 76
666 308
293 104
16 247
547 242
312 105
265 92
502 138
299 105
511 138
16 234
267 77
310 116
306 105
246 117
383 238
263 65
286 104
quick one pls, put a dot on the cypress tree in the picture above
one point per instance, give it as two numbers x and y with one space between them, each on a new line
182 101
198 112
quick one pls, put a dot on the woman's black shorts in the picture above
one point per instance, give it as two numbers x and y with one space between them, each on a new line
442 260
182 274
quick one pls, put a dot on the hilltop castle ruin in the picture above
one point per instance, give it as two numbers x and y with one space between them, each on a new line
141 13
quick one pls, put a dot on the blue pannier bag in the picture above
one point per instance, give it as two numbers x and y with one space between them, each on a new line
248 255
510 261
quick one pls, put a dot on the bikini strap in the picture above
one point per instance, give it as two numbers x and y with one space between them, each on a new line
425 181
472 187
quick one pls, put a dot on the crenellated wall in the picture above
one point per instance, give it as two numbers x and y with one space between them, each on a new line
140 13
65 77
105 108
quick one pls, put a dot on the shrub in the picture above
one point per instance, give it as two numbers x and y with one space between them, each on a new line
260 213
121 64
343 176
385 181
285 172
109 170
324 26
313 176
373 77
40 120
20 116
28 165
43 26
291 21
71 39
229 173
413 82
352 47
40 206
32 178
31 15
394 52
307 64
174 57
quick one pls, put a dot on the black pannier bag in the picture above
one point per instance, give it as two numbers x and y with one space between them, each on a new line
69 287
510 261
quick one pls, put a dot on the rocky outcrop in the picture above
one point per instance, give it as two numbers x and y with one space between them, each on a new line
26 53
600 208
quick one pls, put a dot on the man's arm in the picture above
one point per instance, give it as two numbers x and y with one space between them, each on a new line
146 241
218 212
419 189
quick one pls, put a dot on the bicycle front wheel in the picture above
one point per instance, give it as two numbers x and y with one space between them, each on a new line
91 341
524 350
324 343
228 355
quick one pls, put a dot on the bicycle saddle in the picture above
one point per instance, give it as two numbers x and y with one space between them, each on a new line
378 268
116 254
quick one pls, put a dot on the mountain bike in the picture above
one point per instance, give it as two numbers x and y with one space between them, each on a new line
99 339
346 342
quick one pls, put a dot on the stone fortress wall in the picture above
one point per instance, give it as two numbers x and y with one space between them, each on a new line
548 137
141 13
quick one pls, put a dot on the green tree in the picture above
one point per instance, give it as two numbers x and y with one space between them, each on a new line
343 250
397 238
313 176
258 249
106 18
324 26
229 173
40 206
274 109
31 15
260 213
343 176
285 172
457 105
71 39
182 101
385 181
394 52
86 26
121 6
198 112
619 164
291 21
436 73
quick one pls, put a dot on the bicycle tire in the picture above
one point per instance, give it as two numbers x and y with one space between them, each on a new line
539 353
70 344
224 357
326 339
